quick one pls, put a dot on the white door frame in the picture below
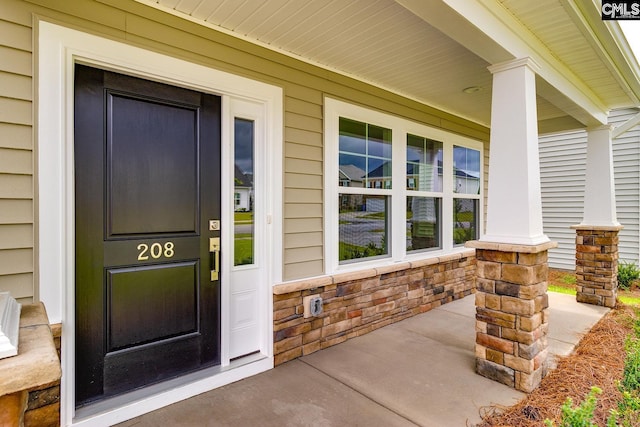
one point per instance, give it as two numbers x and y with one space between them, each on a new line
58 49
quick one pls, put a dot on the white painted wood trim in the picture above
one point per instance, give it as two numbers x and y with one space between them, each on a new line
333 110
514 202
9 325
138 407
599 191
57 49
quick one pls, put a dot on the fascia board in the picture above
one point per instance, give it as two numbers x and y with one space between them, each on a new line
608 40
631 65
494 21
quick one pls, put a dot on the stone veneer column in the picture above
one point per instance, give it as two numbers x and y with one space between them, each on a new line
597 264
512 313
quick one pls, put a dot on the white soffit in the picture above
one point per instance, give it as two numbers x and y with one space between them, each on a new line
375 41
598 57
430 50
513 33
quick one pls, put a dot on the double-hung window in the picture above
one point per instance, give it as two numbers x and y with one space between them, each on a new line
424 193
396 189
466 201
364 155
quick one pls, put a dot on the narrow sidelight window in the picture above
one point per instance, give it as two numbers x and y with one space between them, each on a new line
244 232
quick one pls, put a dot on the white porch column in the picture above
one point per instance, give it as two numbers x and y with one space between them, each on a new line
511 258
597 236
514 206
599 194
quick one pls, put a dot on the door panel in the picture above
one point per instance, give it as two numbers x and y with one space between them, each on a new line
170 289
141 176
147 167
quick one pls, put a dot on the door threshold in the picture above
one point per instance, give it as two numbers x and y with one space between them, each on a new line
130 405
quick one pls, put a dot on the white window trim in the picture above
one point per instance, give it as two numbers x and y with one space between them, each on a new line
400 127
57 50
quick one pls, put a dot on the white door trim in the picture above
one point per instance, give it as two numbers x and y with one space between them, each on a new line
58 49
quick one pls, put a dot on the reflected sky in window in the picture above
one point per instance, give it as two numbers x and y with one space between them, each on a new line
244 145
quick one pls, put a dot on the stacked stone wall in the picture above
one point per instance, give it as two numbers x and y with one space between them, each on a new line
597 265
43 407
512 315
357 303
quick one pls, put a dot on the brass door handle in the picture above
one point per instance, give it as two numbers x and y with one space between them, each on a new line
214 249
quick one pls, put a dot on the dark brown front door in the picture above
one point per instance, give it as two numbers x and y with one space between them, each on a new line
147 182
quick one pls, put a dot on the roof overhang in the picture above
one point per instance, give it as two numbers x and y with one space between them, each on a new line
432 50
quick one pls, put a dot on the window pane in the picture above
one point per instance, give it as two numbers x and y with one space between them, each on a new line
424 164
379 142
423 223
465 220
353 136
243 252
466 170
378 173
363 229
351 170
365 155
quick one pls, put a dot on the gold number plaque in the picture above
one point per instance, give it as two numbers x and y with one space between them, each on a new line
156 251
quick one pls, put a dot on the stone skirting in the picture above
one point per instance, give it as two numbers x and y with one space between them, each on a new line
30 381
512 313
356 303
597 264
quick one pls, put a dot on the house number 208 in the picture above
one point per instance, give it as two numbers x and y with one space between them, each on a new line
155 251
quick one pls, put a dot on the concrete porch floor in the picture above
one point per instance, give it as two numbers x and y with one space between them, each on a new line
417 372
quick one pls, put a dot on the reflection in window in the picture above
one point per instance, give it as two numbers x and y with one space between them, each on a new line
465 220
424 164
364 155
243 248
423 223
424 174
363 226
466 170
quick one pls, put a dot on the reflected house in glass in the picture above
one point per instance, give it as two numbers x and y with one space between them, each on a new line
351 176
243 191
467 182
380 177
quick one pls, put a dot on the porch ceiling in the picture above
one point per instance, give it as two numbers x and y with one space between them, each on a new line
431 50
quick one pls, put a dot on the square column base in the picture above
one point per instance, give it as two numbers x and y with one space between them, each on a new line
597 264
512 313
